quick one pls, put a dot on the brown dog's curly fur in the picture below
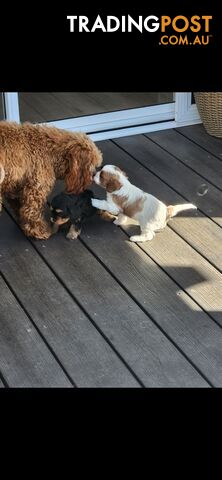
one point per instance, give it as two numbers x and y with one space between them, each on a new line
32 158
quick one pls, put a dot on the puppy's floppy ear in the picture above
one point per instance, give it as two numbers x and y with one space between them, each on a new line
110 182
82 159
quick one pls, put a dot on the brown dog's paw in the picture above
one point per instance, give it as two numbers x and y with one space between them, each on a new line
41 231
43 236
40 235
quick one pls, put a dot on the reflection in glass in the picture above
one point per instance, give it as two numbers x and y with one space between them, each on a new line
2 116
49 106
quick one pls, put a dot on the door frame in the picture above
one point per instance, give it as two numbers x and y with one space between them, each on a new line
123 122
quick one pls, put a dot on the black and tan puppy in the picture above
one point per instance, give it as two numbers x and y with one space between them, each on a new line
74 210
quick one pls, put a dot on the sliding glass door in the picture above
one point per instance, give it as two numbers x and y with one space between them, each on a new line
103 115
97 113
52 106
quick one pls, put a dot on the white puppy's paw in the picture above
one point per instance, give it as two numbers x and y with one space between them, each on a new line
142 238
117 222
96 203
120 220
135 238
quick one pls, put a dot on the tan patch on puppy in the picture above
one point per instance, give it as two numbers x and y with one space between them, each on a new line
134 207
131 209
169 212
109 181
120 200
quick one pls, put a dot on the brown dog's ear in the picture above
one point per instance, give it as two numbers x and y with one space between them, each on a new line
80 169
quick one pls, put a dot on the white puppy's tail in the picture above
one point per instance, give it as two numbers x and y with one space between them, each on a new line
173 210
2 173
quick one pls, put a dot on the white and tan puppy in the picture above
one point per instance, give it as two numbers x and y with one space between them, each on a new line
125 200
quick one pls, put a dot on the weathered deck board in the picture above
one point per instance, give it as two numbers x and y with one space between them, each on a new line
24 358
190 154
176 174
188 268
1 384
84 353
192 272
128 328
198 135
202 234
172 309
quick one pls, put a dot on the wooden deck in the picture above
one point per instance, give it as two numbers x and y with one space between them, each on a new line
103 312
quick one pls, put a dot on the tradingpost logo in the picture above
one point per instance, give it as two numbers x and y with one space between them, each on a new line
178 30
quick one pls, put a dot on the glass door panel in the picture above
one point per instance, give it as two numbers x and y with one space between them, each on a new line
41 107
2 115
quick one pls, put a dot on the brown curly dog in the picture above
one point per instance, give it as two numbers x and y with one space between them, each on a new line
32 158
